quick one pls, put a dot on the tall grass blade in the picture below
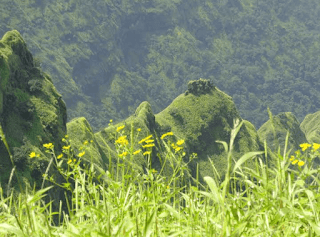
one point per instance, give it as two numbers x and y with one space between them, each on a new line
246 157
214 189
149 223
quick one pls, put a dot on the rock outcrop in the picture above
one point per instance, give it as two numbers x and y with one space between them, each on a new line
282 123
32 112
203 116
311 127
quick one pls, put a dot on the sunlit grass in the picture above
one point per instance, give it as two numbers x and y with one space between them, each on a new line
126 200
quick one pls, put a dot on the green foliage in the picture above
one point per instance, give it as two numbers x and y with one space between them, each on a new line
135 202
263 54
199 87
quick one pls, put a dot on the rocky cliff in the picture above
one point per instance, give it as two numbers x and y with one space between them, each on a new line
32 112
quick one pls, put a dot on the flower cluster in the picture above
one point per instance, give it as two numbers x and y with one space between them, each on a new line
295 161
122 140
148 144
177 147
305 146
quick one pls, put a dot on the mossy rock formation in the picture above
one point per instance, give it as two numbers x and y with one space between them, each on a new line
202 117
32 112
282 123
311 127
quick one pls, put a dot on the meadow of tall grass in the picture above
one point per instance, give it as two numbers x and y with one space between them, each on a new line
278 199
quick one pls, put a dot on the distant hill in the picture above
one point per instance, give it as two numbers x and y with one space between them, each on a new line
107 57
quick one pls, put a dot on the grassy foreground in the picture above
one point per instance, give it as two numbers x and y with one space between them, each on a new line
278 200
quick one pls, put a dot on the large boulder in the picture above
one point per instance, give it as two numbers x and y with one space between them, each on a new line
32 112
275 133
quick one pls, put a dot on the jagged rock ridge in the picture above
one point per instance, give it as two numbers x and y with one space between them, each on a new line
32 112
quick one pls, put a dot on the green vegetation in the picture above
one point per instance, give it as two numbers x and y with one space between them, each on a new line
275 130
107 56
127 201
32 111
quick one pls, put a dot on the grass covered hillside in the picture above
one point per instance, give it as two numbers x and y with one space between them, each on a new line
108 56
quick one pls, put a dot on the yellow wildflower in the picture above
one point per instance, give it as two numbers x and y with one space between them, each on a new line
180 142
294 162
123 154
136 152
147 153
69 161
81 154
167 134
144 139
305 146
48 145
315 146
74 160
111 120
301 163
66 136
148 145
32 154
66 147
122 140
178 148
292 158
139 129
120 128
91 141
85 143
149 141
59 156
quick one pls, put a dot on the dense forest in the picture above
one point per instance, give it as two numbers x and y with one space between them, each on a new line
107 56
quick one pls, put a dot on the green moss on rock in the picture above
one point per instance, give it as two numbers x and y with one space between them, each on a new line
311 127
201 119
283 123
32 112
82 139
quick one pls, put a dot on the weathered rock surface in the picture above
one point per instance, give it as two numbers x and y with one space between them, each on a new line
283 123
